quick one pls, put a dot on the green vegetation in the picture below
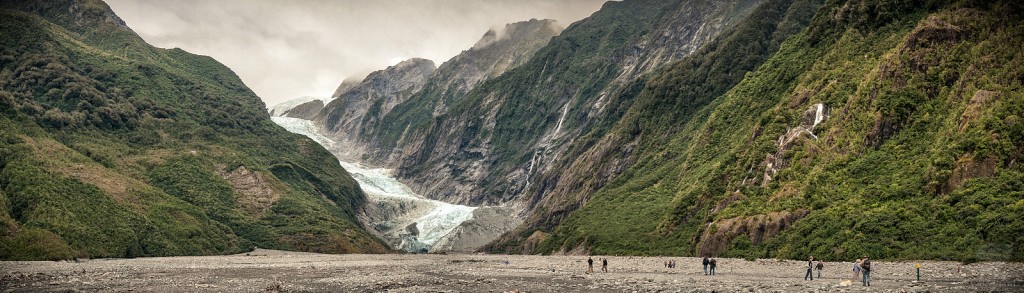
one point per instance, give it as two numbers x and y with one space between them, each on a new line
918 159
112 148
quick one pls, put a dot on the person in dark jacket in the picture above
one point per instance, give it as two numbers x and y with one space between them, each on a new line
713 263
865 267
810 267
818 267
604 265
590 265
705 266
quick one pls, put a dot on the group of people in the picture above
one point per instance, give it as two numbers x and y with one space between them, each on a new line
861 270
811 266
590 265
712 263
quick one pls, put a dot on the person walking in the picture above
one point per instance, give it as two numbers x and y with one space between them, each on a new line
818 267
706 266
810 266
856 269
865 266
604 265
713 263
590 265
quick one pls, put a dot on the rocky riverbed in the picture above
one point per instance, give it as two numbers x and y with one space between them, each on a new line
270 270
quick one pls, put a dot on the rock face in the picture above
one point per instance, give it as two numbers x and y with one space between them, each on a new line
496 52
345 86
362 106
302 108
306 110
757 228
489 146
255 193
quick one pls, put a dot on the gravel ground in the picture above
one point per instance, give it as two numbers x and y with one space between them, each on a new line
269 270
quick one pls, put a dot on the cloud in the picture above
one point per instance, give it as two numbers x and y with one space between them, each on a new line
286 49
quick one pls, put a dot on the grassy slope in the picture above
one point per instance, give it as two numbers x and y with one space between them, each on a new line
112 148
878 179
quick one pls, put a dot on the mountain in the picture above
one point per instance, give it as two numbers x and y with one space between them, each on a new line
496 51
611 148
113 148
362 106
889 129
486 146
303 108
354 119
345 86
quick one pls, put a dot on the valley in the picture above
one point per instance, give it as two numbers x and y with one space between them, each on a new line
406 220
280 271
761 130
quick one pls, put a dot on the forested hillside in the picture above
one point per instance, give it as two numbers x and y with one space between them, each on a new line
110 147
885 128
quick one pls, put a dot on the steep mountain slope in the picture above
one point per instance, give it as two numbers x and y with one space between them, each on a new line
346 85
303 107
496 52
598 157
490 145
363 106
888 129
110 147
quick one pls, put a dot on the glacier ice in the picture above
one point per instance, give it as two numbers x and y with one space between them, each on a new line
381 186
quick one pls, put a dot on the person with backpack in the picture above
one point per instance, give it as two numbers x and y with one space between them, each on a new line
810 266
604 265
705 266
865 267
818 267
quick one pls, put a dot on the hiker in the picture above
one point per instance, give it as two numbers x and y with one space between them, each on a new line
705 266
810 266
865 266
712 262
856 269
818 267
590 265
604 265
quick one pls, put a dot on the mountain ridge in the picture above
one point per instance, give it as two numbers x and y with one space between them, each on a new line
114 148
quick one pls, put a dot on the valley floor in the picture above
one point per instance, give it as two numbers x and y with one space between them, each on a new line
270 270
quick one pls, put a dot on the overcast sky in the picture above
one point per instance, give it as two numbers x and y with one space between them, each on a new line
287 49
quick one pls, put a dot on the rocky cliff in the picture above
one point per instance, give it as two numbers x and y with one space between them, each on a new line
363 106
490 146
497 51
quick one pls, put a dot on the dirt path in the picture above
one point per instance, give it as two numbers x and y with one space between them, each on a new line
269 270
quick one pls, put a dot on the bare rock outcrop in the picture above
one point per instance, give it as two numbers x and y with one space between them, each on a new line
720 234
255 192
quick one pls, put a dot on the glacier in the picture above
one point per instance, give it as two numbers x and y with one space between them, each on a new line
282 107
394 207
